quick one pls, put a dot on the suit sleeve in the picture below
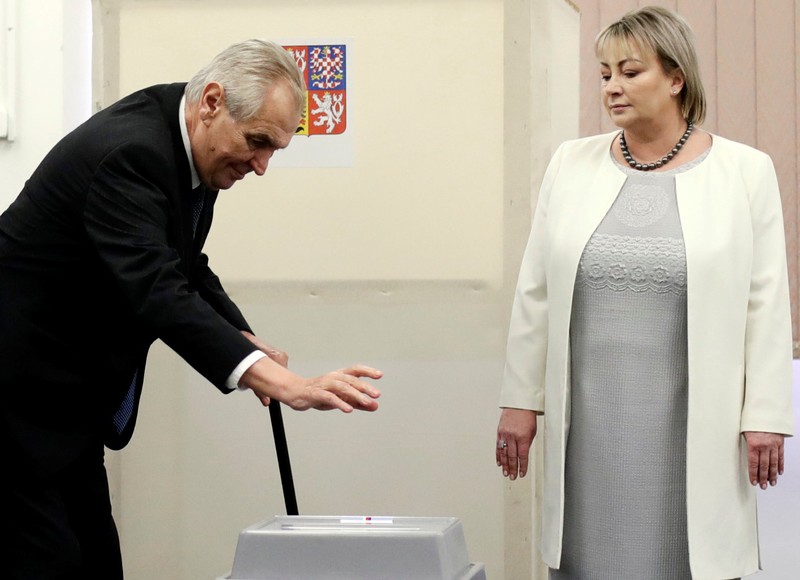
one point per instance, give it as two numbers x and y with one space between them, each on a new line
211 290
127 219
526 351
768 337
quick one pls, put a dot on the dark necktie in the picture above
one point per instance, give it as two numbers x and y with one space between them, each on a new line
125 410
198 198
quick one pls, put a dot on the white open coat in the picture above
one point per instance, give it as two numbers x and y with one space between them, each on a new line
739 332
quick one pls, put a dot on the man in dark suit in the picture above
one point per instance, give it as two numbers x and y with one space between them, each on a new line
99 256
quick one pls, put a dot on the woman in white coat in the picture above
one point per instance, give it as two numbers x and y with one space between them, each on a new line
651 330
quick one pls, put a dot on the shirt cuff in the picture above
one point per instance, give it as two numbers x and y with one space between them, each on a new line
233 379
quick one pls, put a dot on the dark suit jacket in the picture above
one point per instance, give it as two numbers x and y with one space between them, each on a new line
97 260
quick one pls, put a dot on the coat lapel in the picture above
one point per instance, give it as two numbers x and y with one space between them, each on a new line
587 202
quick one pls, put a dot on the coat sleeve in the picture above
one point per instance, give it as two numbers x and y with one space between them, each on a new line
208 284
211 290
768 335
126 216
526 351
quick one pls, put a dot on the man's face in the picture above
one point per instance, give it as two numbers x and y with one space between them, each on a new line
225 150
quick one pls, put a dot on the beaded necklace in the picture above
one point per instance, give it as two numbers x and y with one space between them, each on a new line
661 162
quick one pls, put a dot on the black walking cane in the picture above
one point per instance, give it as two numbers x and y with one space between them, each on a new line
282 450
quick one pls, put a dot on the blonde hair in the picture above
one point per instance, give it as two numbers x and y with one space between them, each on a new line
671 40
245 70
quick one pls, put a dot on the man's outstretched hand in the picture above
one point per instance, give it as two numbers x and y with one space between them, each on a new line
343 389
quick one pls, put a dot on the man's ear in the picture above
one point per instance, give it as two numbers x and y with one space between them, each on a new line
212 101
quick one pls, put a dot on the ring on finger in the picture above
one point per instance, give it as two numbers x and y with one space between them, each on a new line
501 444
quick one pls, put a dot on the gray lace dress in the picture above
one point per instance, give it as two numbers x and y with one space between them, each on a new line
625 481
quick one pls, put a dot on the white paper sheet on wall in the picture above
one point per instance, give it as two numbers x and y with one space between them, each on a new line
325 135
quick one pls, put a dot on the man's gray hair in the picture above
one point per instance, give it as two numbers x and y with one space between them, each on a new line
245 70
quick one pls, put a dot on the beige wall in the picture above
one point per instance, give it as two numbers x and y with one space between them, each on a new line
425 87
406 261
399 261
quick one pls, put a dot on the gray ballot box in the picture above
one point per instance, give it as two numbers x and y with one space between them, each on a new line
354 548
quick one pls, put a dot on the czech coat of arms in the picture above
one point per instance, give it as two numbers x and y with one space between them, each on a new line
324 68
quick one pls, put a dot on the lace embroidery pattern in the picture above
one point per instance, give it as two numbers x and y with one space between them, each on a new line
633 263
640 205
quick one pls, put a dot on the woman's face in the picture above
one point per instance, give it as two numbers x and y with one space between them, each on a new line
636 91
